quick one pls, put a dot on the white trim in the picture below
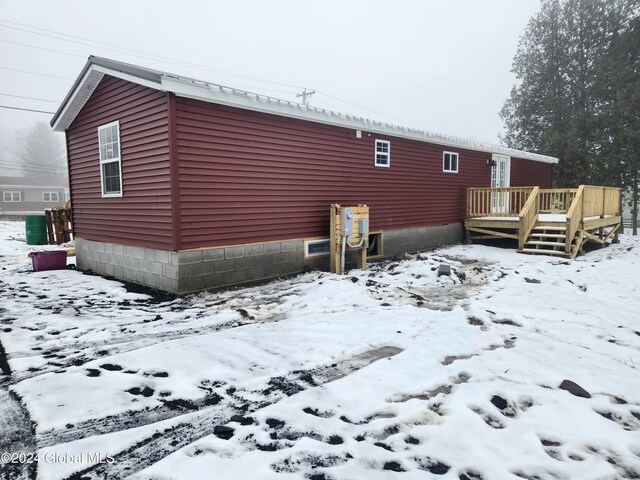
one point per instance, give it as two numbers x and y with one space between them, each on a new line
117 160
315 242
240 99
11 194
445 153
386 154
78 98
37 187
57 194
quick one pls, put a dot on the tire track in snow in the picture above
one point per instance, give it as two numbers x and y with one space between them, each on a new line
16 430
202 422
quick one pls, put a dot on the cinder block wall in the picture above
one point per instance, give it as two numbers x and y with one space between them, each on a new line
192 270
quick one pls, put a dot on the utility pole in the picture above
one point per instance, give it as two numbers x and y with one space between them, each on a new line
305 96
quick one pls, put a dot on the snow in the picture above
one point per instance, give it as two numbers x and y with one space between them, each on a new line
390 368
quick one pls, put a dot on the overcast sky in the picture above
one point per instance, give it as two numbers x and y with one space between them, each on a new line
439 65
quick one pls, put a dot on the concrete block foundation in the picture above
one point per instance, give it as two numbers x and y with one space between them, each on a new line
192 270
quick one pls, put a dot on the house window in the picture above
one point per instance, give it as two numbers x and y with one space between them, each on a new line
12 196
383 154
50 197
316 248
110 165
450 162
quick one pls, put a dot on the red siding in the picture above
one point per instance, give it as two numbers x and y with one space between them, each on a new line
143 215
249 177
526 173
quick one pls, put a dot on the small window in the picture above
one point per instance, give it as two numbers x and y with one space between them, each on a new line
12 196
110 164
450 162
50 197
383 154
316 248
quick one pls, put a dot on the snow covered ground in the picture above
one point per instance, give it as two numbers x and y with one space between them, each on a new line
390 372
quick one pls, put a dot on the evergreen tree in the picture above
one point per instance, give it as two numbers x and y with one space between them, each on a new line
556 107
619 74
43 153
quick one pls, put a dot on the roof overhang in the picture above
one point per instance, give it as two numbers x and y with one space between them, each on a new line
96 68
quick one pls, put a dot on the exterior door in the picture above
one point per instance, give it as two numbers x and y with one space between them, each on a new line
500 179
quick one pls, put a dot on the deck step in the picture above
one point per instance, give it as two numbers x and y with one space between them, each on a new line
549 235
548 244
544 252
555 229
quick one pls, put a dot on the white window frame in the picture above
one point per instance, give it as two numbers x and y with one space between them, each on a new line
11 195
53 197
117 159
386 154
315 242
451 156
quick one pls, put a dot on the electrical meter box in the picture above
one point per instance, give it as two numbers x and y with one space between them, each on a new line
346 223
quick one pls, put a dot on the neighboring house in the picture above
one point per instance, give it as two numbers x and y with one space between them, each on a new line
21 196
182 184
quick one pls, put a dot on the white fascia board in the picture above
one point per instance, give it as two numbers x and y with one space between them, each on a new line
248 101
77 100
85 89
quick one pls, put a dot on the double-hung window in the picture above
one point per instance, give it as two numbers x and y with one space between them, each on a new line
450 162
12 196
383 154
50 197
110 163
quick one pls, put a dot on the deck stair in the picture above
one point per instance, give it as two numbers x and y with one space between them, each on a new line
547 240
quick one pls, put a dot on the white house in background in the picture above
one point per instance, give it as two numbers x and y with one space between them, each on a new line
21 196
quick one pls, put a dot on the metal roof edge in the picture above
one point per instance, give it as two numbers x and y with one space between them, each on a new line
214 93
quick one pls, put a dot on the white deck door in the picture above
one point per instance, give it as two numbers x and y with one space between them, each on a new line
500 179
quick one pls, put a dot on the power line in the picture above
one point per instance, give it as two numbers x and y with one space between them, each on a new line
35 73
42 48
25 109
139 53
29 98
32 167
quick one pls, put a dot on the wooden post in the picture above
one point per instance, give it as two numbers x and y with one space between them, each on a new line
334 266
336 239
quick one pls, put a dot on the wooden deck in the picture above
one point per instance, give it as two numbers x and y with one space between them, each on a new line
545 221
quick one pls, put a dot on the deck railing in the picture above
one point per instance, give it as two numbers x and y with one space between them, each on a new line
528 217
590 201
496 202
556 200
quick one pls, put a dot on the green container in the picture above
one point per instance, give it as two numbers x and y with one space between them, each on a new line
36 229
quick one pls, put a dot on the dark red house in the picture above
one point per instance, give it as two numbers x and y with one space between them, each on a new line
182 184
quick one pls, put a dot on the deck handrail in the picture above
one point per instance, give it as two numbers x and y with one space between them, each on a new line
574 217
528 216
590 201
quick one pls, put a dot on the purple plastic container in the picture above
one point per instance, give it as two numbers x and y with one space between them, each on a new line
52 260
